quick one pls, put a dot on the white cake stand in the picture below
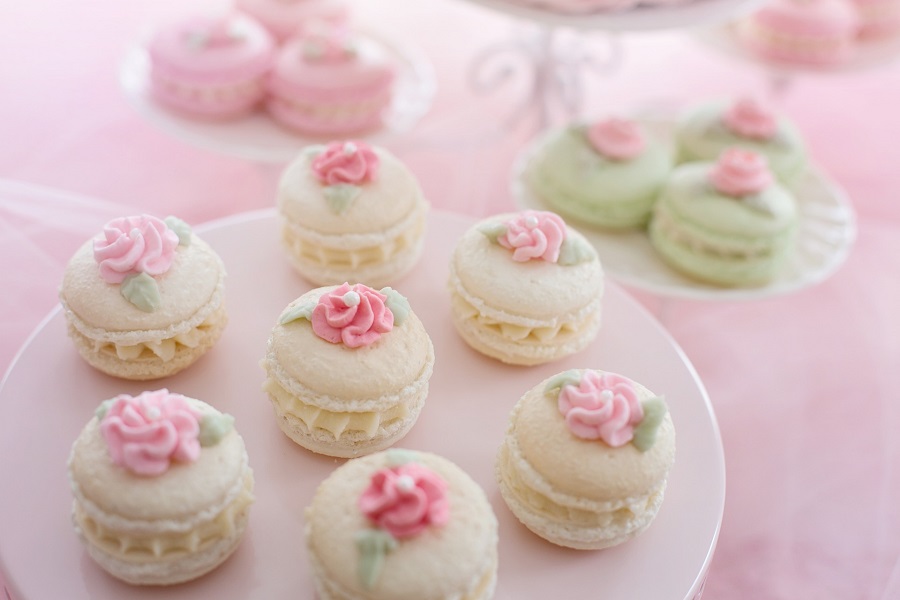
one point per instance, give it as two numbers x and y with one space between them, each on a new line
554 56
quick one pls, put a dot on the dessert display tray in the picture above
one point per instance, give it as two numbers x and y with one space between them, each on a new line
642 18
49 393
256 136
825 235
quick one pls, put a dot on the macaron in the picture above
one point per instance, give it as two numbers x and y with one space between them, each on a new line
817 33
606 174
728 223
162 487
585 459
705 132
351 212
210 66
347 369
401 525
145 298
286 18
331 82
525 288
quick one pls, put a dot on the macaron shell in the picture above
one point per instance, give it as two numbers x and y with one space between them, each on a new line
284 18
702 136
442 562
588 469
350 375
535 289
188 286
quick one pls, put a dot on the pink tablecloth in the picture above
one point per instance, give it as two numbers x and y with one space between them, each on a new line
803 385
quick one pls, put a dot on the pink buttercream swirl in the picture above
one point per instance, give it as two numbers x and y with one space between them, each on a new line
617 139
604 407
740 173
405 500
751 119
133 245
356 316
534 234
351 162
146 432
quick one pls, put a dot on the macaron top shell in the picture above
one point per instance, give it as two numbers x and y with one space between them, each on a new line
186 289
298 68
186 490
212 50
585 468
360 375
691 196
285 18
438 563
533 289
382 203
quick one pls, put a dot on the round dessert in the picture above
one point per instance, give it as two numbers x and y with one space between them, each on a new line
145 298
351 212
585 459
162 487
727 223
331 83
211 66
401 525
286 18
347 369
704 133
801 32
607 174
525 288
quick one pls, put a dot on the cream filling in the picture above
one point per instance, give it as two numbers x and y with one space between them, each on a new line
334 422
537 494
796 42
245 90
166 545
334 255
165 349
668 228
333 111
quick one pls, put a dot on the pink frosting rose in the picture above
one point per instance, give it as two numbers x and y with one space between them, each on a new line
617 139
604 407
405 500
356 316
133 245
346 162
751 119
534 234
328 44
740 173
144 433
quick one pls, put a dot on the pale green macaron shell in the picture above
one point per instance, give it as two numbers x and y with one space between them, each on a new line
702 136
575 180
722 239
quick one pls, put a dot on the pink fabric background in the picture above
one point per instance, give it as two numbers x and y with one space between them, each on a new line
804 386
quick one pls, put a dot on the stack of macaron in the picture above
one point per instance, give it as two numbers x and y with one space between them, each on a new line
816 33
618 175
300 59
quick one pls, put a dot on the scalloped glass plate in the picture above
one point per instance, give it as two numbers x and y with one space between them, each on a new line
49 393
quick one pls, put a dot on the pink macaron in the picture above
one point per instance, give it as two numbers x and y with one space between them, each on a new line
285 18
331 82
212 67
803 32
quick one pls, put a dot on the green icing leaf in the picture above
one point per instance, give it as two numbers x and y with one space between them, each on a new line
493 230
142 291
103 408
397 303
571 377
214 427
341 195
373 545
575 250
760 203
400 456
313 151
645 433
181 229
300 311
